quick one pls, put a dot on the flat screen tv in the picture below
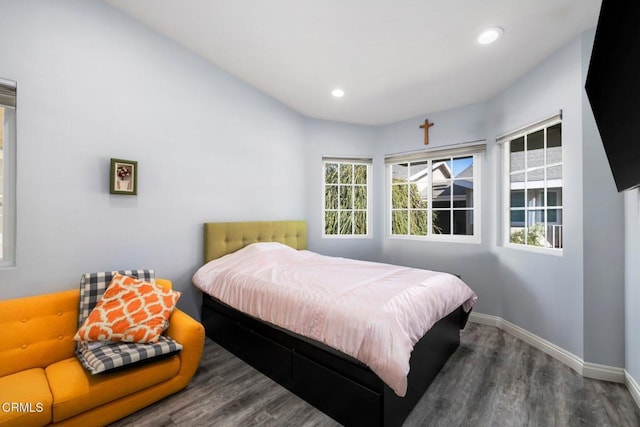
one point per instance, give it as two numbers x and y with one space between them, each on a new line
613 88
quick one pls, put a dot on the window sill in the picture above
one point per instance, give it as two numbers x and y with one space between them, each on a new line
534 249
474 240
347 236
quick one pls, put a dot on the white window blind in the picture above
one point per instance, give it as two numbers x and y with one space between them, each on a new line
7 94
540 124
348 159
456 150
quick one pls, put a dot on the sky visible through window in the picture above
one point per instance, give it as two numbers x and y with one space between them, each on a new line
461 164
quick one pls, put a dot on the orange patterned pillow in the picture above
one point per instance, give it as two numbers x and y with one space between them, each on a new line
130 310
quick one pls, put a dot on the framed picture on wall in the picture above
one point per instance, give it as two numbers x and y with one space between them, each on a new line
123 177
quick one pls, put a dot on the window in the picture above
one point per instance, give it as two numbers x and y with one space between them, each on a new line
434 194
533 185
7 171
346 197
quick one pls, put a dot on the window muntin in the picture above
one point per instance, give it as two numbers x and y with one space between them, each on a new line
433 198
534 187
346 198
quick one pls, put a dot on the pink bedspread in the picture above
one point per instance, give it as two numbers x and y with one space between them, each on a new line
373 312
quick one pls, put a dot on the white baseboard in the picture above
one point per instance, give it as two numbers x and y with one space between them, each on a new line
633 387
586 369
603 372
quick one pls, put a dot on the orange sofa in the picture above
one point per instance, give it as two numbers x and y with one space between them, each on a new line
42 382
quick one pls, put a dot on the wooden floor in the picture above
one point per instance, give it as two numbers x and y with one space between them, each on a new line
493 379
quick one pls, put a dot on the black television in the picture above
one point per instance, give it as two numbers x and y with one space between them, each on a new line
613 88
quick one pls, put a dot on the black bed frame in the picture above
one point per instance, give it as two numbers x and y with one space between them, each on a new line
333 382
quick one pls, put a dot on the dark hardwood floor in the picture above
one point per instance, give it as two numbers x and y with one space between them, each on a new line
493 379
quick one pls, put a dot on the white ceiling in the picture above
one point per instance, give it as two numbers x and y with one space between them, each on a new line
395 59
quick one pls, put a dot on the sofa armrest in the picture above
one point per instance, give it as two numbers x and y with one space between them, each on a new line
190 333
164 283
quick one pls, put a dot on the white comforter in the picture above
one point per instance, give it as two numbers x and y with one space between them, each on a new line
373 312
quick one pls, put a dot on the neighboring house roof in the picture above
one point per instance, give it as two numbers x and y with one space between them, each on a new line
441 171
419 171
535 163
461 190
466 173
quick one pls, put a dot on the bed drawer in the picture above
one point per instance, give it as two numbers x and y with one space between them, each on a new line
220 328
335 395
261 353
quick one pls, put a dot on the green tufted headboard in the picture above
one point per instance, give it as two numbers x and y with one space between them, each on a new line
221 238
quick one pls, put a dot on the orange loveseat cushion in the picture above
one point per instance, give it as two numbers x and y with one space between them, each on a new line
37 331
75 390
25 399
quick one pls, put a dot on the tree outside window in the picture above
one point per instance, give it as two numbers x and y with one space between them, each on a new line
346 198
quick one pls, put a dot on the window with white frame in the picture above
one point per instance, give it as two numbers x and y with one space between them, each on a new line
7 171
533 185
346 197
434 195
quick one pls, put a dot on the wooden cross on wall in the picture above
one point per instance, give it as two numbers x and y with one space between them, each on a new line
426 127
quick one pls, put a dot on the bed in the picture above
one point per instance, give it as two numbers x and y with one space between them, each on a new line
337 382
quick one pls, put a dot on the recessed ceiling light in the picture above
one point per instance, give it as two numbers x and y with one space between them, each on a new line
490 35
338 93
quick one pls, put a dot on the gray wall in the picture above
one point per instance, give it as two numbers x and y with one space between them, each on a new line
604 239
543 293
632 281
324 138
94 84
